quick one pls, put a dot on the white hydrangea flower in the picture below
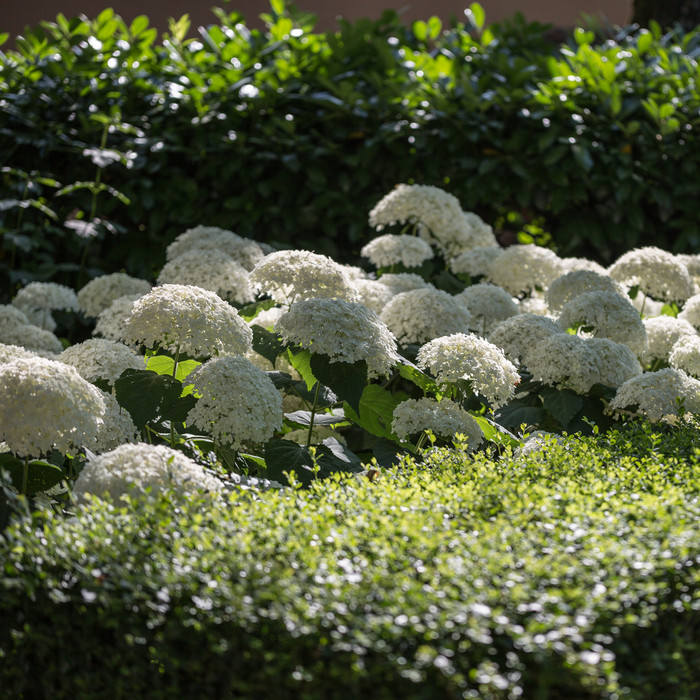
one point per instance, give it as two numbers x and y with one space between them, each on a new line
481 234
423 314
655 395
117 427
33 338
662 334
691 311
132 469
523 268
290 275
534 305
467 356
355 273
392 249
609 315
209 269
646 306
342 330
244 251
11 317
692 263
575 282
268 318
656 272
403 282
111 323
38 299
573 264
374 294
475 262
488 304
99 293
576 363
46 405
192 320
444 418
685 355
9 353
238 402
518 335
98 358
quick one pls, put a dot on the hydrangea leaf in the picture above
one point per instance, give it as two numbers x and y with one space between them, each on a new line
145 394
347 380
525 411
267 344
376 411
562 404
41 475
303 418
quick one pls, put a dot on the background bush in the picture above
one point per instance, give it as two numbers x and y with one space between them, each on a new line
574 575
291 136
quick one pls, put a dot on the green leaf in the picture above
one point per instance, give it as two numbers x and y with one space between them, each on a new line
286 456
411 372
303 418
162 364
517 412
267 343
301 361
250 311
347 380
41 475
376 411
495 433
333 456
562 404
476 15
177 410
145 394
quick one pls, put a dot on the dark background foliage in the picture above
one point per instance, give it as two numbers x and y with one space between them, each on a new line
290 136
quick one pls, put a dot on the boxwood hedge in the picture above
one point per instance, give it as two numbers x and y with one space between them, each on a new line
290 136
571 572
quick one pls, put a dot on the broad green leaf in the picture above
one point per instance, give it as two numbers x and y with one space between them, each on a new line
41 475
376 411
303 418
301 361
527 411
562 404
162 364
333 456
177 410
250 311
495 433
476 15
286 456
145 394
267 343
411 372
347 380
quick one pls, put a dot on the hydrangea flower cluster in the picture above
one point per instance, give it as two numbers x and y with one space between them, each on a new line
99 293
656 395
569 285
518 335
342 330
663 332
656 272
391 249
685 355
237 402
117 427
475 262
38 299
571 362
133 469
187 319
212 270
374 294
467 356
244 251
444 418
111 323
488 305
47 405
423 314
9 353
290 275
521 269
98 358
608 315
691 311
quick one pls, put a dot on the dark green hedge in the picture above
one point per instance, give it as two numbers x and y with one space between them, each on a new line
574 575
290 136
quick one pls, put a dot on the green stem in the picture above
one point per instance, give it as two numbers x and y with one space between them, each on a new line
313 414
25 475
176 360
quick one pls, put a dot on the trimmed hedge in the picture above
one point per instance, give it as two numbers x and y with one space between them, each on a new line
573 575
290 136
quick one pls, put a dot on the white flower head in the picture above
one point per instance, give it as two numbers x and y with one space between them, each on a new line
32 338
691 311
374 294
573 264
608 315
290 275
342 330
444 418
111 323
520 269
656 395
571 362
685 354
574 282
38 299
535 304
244 251
98 358
518 335
268 318
238 402
11 317
188 319
210 269
47 405
467 356
424 314
662 334
659 274
9 353
117 427
133 469
475 262
99 293
399 282
488 304
392 249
